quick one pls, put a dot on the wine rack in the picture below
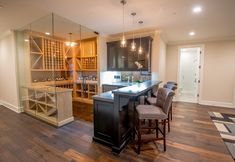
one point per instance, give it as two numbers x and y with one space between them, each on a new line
53 54
53 62
89 63
50 104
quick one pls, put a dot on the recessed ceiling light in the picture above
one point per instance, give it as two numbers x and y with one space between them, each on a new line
197 9
191 33
26 40
47 33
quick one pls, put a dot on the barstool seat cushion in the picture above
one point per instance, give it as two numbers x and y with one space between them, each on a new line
150 112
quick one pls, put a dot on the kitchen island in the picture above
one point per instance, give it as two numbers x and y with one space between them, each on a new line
114 114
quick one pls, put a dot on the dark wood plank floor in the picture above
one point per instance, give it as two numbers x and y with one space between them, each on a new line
193 138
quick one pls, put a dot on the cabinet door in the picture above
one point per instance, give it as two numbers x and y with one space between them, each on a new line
123 59
88 47
117 56
103 121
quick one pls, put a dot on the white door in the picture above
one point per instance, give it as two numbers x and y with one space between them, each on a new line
189 74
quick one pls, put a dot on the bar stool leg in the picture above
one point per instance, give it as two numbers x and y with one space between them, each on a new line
164 135
168 122
171 111
139 137
157 128
150 124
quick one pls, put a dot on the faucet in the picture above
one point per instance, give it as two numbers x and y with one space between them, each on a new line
128 79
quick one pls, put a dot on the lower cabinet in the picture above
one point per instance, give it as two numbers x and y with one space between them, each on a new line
103 122
50 104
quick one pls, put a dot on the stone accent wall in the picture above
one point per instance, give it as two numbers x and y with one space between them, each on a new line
137 76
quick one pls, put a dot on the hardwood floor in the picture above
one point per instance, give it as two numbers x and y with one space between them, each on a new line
193 137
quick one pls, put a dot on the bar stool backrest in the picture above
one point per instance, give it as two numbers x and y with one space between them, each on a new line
164 99
171 82
170 86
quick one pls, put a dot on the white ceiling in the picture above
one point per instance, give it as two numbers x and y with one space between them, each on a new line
174 18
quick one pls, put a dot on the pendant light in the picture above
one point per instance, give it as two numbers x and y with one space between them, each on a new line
133 44
140 49
123 39
70 43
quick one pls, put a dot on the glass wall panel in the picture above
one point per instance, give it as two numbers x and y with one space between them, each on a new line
57 64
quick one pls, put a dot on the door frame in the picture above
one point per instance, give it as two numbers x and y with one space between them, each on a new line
201 63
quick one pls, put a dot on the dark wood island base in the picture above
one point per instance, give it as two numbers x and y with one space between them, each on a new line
114 114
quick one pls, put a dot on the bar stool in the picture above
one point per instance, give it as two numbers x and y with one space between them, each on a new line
154 113
153 100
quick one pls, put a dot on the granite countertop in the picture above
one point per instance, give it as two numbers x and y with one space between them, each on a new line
106 96
137 88
131 90
122 83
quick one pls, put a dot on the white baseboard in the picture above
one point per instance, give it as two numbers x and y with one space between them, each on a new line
216 103
11 107
66 121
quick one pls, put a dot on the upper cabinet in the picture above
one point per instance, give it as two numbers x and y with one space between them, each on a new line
87 61
123 59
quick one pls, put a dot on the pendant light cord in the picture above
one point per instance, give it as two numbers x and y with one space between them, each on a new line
123 22
133 27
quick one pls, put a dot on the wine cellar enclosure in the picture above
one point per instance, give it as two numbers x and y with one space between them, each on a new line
57 66
54 63
58 74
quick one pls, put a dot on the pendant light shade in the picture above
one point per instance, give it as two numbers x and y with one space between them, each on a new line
123 39
133 44
140 49
70 43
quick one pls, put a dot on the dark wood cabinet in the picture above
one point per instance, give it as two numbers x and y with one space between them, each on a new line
123 59
103 122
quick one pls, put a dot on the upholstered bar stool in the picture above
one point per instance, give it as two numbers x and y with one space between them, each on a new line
154 113
153 100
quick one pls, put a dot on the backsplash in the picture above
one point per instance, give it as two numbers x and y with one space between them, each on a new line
136 76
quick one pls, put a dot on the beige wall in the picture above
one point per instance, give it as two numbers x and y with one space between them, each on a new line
218 72
8 75
158 58
102 53
102 59
162 61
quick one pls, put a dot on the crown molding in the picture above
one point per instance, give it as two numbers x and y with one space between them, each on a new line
201 40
